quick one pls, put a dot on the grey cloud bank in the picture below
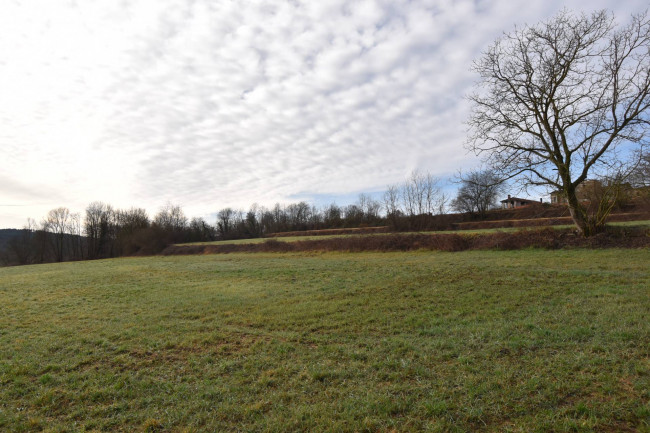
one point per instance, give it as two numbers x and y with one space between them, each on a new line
212 104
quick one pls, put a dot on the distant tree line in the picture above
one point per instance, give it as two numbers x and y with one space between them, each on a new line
103 231
416 204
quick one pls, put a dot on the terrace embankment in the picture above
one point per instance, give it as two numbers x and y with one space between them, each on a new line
540 222
546 238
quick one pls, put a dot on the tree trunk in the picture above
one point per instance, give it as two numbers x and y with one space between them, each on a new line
586 226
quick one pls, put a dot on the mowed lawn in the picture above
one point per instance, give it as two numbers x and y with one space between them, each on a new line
519 341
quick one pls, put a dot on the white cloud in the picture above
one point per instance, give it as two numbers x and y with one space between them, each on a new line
212 104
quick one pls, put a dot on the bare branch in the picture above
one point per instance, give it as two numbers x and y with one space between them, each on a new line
558 99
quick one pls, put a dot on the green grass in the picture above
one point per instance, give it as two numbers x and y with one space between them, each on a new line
280 238
515 341
316 237
645 223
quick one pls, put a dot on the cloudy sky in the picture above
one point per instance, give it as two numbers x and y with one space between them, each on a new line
215 103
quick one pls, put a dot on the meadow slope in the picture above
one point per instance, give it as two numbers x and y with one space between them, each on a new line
518 341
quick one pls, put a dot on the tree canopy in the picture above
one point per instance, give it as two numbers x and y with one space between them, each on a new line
562 100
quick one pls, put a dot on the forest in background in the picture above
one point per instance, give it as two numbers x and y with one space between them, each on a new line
417 204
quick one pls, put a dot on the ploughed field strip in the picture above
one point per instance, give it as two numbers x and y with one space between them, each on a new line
529 340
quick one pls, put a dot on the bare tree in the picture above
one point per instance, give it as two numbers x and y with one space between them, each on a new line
434 199
21 249
41 241
410 195
421 194
225 222
132 231
560 100
200 230
478 192
332 216
641 175
97 227
353 215
279 218
315 218
171 218
298 215
75 240
57 222
391 200
370 208
267 221
131 220
252 222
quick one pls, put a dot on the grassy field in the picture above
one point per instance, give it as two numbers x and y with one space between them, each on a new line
641 224
514 341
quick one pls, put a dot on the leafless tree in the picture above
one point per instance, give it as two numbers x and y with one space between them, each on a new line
298 215
315 218
22 249
225 223
41 242
75 240
435 200
391 200
200 230
132 234
279 218
641 175
421 194
478 192
97 227
132 220
353 215
171 218
332 216
267 221
253 226
410 196
370 208
57 222
561 100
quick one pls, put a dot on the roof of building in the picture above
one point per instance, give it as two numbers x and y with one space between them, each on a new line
517 199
